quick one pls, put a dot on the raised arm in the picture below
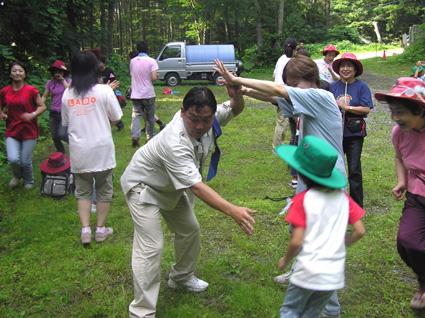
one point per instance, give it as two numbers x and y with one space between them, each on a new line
258 95
265 87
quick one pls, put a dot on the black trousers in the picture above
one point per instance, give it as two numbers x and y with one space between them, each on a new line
353 150
59 133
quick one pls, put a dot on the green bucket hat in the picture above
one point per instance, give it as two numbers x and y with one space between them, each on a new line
314 158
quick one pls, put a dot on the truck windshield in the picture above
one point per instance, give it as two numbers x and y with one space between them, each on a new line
172 51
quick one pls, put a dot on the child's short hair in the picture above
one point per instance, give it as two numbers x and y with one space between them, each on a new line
310 183
301 68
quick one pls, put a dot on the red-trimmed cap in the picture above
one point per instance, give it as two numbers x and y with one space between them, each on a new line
58 65
330 48
348 57
56 163
406 88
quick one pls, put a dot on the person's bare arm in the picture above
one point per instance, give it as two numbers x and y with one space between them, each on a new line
358 232
154 76
294 247
45 96
241 215
265 87
400 188
41 107
258 95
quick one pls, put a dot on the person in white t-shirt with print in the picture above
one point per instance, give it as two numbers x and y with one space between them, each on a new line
88 108
319 216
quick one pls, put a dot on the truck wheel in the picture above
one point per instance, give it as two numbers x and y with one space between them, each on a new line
218 79
172 79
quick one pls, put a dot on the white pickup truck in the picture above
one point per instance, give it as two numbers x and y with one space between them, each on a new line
179 61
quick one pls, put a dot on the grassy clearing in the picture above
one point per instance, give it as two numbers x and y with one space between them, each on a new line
45 272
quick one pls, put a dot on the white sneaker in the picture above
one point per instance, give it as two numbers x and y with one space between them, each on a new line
194 284
13 183
28 186
282 279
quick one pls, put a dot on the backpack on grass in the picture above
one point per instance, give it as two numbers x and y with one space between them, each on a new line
57 179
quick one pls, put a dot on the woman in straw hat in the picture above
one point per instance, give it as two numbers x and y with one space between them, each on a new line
354 98
406 101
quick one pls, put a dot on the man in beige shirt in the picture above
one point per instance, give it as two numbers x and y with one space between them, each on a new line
162 179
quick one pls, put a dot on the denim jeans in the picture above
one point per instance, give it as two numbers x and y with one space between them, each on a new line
19 155
59 133
301 302
143 108
353 150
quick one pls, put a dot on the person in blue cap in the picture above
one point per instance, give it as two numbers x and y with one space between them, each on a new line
319 216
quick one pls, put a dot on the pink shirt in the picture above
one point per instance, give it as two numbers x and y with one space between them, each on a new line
141 68
410 149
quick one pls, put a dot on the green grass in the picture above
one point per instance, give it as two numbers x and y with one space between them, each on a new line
45 272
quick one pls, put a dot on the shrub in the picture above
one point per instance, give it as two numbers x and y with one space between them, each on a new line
415 51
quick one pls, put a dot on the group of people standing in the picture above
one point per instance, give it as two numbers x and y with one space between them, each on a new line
166 174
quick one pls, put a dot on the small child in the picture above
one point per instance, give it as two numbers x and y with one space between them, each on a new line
319 216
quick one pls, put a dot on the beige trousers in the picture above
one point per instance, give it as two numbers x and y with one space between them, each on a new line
148 243
279 130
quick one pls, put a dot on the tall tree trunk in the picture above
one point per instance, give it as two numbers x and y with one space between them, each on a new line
327 14
102 26
111 8
119 27
376 29
258 25
280 15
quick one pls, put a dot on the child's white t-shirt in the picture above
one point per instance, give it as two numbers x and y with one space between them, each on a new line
324 215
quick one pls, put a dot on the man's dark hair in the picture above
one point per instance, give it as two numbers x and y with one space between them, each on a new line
142 47
199 97
409 105
301 68
84 71
290 46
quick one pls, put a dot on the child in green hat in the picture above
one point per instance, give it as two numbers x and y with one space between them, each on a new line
319 216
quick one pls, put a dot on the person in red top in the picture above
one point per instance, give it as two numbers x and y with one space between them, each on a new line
20 105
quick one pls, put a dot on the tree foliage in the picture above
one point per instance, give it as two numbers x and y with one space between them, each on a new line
50 29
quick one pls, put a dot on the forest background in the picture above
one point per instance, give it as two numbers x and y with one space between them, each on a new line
39 32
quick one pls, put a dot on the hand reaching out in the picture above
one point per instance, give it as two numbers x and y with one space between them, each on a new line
228 76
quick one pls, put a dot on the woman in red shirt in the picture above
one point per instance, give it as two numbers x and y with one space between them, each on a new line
20 105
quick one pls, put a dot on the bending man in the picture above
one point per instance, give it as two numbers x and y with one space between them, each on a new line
162 179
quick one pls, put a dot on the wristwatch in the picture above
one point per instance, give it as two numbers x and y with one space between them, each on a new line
350 108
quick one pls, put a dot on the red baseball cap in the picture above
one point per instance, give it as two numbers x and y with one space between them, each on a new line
330 48
58 65
406 88
348 57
